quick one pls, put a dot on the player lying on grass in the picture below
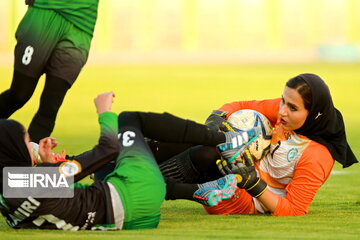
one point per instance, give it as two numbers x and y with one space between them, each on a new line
129 197
309 135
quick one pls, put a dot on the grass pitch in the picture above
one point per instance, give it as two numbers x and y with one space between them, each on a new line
193 92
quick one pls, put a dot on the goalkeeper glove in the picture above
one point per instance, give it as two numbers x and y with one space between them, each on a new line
246 174
216 121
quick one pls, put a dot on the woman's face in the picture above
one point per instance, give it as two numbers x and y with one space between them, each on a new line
29 147
292 110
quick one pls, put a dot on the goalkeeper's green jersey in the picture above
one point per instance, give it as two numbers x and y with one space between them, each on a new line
81 13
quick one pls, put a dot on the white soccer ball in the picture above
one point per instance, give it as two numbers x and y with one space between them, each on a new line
247 119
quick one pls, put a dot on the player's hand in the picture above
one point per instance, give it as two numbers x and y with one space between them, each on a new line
45 146
216 121
243 166
59 157
53 142
104 101
245 172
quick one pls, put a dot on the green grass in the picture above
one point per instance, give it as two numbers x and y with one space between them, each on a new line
192 92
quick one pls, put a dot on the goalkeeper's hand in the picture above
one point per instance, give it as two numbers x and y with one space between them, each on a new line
216 121
246 174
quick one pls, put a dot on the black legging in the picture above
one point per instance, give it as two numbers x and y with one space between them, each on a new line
21 90
187 163
182 165
51 99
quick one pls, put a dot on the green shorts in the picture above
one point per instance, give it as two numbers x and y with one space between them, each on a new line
138 181
48 43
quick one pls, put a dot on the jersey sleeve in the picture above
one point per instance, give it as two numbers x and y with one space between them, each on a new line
105 151
312 170
269 107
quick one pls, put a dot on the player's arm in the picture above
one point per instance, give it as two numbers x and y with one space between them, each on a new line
107 148
243 167
269 107
312 170
247 177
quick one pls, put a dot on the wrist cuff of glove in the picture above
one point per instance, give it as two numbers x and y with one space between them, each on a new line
220 113
258 188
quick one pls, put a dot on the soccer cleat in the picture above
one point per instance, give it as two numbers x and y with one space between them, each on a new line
212 193
233 151
228 185
208 196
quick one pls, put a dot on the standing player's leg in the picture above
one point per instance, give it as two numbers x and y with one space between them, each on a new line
21 89
51 99
32 50
62 69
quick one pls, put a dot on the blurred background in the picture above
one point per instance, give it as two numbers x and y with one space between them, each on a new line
187 31
188 57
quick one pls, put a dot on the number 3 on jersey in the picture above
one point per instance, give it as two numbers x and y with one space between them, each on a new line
127 138
26 59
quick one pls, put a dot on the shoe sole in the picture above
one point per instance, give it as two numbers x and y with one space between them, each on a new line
215 197
226 192
229 188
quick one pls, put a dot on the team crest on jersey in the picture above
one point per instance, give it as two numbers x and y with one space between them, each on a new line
292 154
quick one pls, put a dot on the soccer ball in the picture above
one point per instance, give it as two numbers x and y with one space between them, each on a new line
247 119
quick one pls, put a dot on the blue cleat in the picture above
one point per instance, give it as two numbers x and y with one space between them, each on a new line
212 193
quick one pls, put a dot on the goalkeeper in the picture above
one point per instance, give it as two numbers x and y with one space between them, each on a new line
53 38
130 197
309 135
